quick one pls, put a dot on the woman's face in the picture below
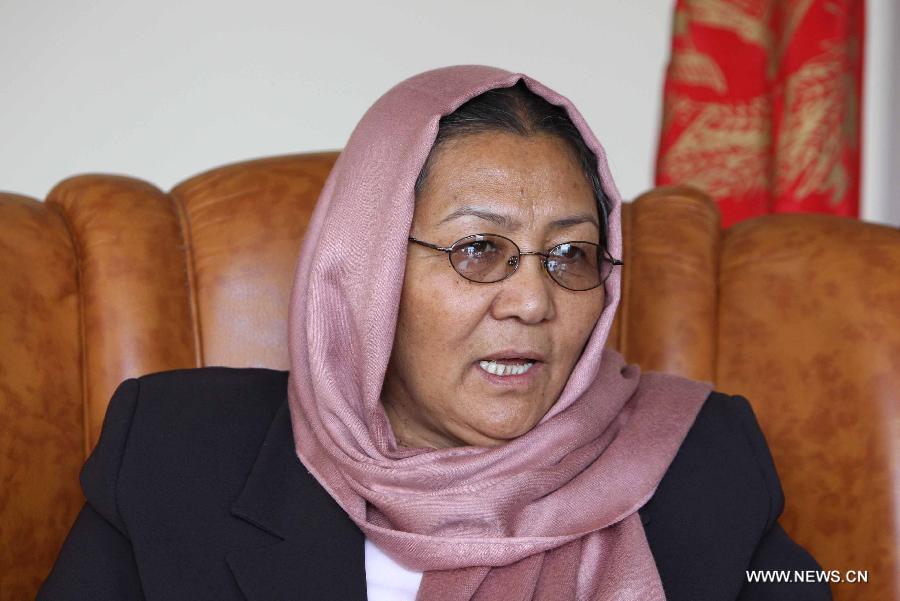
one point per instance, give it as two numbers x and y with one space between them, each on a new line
436 392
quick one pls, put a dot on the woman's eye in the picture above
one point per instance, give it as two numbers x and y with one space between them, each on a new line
569 252
478 249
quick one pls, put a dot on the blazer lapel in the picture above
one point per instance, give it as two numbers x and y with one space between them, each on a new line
317 550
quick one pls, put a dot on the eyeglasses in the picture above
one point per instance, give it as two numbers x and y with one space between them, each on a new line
487 258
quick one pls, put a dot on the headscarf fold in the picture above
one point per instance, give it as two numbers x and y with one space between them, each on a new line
549 515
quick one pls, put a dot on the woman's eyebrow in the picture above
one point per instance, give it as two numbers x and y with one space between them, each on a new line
510 223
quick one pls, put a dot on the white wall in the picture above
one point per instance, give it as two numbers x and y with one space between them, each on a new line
881 124
163 90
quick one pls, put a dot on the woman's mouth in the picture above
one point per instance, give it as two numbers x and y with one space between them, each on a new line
513 367
509 372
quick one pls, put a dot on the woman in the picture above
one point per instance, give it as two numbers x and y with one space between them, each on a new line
449 429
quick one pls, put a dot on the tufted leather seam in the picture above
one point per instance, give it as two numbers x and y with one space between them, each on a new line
187 238
82 343
690 203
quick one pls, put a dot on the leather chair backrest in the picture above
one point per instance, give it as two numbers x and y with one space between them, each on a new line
111 278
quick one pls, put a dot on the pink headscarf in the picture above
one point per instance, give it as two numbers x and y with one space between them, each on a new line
551 514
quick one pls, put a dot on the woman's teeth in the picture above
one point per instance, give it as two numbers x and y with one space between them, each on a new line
505 369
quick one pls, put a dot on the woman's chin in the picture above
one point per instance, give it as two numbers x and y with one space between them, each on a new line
494 432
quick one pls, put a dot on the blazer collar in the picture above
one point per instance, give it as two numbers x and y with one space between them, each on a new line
319 551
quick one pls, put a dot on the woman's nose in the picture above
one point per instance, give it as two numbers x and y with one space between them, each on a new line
527 294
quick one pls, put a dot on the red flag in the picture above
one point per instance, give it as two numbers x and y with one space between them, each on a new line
762 105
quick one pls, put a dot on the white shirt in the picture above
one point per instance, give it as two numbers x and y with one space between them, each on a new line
387 580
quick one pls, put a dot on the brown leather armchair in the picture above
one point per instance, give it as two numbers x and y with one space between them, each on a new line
111 278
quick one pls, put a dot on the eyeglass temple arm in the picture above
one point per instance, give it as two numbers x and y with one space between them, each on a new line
429 244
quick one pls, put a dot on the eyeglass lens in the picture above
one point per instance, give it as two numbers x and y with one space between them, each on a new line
490 258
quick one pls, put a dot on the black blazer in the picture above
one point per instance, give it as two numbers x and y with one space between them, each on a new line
194 492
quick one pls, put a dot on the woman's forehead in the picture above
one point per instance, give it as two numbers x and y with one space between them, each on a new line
507 180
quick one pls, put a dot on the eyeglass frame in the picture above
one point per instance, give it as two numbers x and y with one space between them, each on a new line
544 258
